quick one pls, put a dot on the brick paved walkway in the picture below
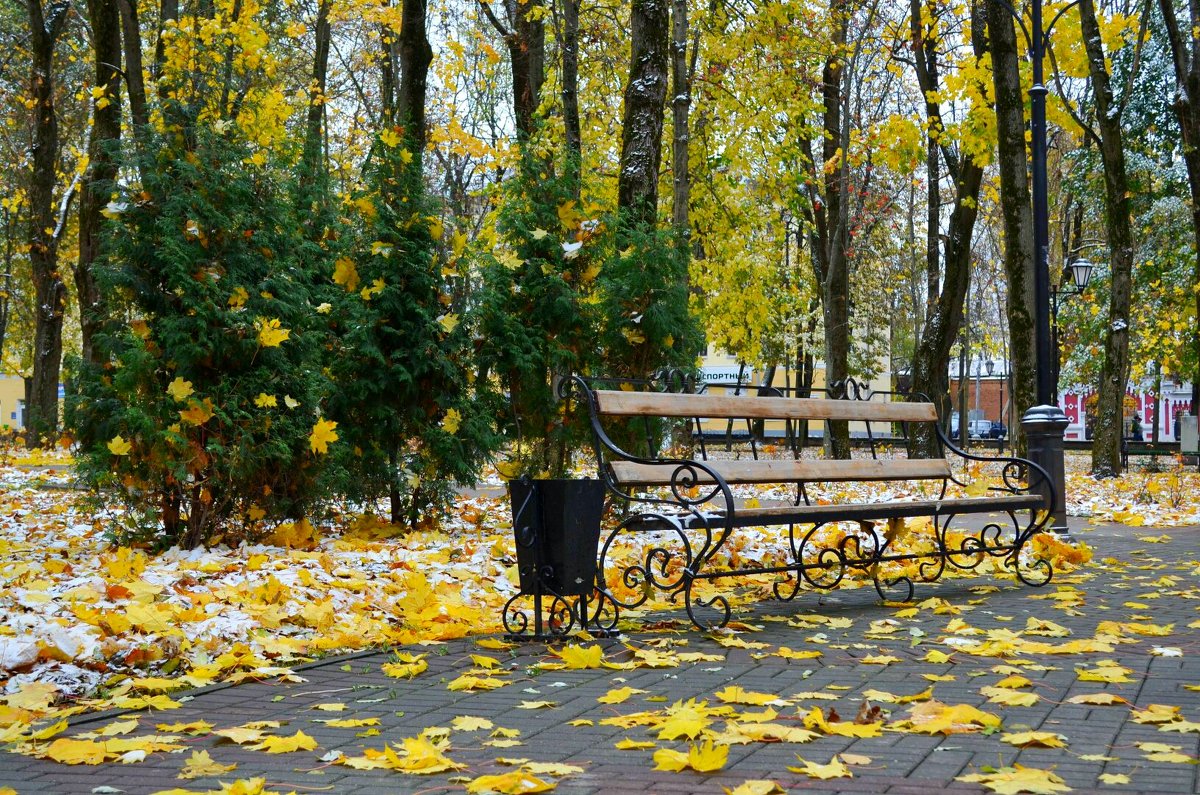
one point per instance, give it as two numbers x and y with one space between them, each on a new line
900 762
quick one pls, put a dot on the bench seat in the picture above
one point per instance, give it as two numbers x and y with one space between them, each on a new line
843 512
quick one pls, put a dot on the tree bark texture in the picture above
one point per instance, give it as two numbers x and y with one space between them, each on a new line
570 94
105 17
1185 55
830 260
645 96
415 57
525 36
168 11
931 362
135 80
1114 373
314 122
50 292
1016 210
681 102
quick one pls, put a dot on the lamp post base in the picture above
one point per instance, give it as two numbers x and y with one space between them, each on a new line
1044 428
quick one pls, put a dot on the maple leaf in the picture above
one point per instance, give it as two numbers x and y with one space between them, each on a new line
755 787
629 744
835 769
345 273
537 705
470 723
1034 739
238 298
265 401
389 138
580 657
468 683
618 695
1017 780
514 782
685 720
179 389
349 723
934 717
1156 713
1114 778
200 765
406 666
1100 699
271 334
1009 697
118 446
451 421
197 413
736 695
76 752
448 322
241 734
322 435
286 745
419 755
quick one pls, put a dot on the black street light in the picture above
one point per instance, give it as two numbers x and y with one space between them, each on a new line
1044 423
1081 273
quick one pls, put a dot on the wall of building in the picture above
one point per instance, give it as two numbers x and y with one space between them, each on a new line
12 401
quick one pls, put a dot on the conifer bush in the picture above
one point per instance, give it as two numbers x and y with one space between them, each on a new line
205 417
537 315
402 367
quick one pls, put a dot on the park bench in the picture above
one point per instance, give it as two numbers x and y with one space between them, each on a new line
1130 446
686 509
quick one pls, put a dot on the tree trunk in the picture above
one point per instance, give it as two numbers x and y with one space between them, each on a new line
833 231
168 11
681 102
415 57
570 94
1016 210
1114 374
105 135
1185 54
645 95
314 126
931 363
525 36
50 292
135 81
6 273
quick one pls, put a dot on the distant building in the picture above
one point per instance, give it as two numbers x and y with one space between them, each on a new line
12 401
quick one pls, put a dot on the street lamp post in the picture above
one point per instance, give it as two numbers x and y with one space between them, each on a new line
1044 423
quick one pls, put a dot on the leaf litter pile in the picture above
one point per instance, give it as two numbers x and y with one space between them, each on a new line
90 627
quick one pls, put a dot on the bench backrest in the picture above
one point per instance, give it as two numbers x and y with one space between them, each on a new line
619 403
667 404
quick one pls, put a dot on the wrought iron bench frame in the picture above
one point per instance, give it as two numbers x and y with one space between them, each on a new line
692 499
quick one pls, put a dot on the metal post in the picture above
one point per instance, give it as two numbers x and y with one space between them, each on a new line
1045 423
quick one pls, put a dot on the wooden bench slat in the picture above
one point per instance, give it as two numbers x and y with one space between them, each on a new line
827 471
866 512
664 404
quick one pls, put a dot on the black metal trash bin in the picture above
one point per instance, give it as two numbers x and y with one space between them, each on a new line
556 524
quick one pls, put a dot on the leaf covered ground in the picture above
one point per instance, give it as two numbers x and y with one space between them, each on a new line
91 627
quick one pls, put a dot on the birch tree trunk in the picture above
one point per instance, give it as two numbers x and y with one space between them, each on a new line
681 102
645 97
